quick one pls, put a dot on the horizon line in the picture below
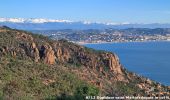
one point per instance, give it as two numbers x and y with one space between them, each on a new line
44 20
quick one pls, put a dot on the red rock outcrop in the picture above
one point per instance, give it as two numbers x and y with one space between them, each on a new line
62 55
59 54
48 54
66 54
34 52
114 64
24 36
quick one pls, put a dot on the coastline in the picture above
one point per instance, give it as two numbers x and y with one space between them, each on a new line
156 60
86 43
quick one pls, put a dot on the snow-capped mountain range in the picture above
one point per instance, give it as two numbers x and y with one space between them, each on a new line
30 20
54 24
43 20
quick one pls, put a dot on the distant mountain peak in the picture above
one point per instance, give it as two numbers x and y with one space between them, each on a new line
31 20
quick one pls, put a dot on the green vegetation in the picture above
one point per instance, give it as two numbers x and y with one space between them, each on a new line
81 92
26 80
127 89
91 50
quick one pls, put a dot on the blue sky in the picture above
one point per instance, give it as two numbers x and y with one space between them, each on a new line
119 11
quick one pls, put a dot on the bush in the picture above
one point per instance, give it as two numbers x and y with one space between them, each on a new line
86 90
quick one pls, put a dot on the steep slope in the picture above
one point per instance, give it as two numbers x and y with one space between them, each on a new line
35 67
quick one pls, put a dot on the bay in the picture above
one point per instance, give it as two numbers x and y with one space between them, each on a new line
150 59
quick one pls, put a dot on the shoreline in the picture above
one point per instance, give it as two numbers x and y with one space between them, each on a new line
85 43
125 59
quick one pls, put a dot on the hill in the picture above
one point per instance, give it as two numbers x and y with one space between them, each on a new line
35 67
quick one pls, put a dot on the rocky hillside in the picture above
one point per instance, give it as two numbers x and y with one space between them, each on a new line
35 67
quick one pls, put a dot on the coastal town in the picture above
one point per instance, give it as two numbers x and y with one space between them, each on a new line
109 35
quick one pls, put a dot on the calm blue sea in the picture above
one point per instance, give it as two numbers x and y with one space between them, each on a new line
150 59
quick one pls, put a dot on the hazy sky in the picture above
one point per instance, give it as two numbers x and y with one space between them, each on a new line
134 11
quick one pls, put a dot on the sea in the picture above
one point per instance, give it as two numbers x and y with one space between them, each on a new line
149 59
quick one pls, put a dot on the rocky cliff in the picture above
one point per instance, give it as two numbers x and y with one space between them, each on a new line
99 68
60 51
